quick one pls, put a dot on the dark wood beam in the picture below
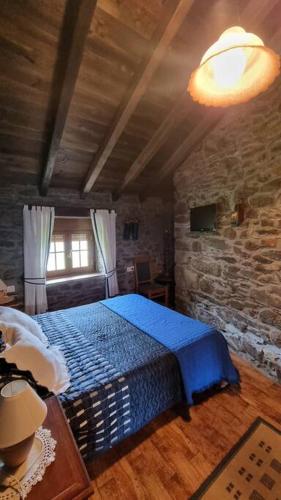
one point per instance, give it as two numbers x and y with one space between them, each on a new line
187 146
155 143
161 40
275 41
256 11
77 21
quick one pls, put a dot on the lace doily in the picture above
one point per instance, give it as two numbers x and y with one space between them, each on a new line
18 484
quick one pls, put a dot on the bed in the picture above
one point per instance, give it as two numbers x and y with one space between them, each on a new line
131 359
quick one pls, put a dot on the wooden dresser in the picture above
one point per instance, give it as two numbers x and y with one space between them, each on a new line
66 478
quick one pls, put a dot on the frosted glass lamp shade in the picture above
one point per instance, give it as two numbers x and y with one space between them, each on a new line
21 413
236 68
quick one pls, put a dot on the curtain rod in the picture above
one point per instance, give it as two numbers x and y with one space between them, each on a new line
78 216
69 208
71 217
30 206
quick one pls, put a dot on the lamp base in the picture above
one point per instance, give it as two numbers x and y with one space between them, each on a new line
15 455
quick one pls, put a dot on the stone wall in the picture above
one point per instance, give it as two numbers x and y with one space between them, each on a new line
232 278
153 218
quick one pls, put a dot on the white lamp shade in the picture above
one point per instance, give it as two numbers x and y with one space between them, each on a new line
21 412
236 68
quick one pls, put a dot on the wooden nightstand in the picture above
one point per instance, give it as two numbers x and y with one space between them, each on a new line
66 478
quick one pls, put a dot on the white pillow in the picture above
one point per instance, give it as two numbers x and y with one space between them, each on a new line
10 315
47 365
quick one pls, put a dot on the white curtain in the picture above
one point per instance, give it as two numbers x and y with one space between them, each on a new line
104 226
38 223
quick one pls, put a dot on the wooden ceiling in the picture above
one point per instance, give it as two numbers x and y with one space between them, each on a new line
93 94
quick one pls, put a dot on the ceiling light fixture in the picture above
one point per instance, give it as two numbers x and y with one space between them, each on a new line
236 68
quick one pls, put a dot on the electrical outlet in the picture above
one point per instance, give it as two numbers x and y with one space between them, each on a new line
130 269
11 289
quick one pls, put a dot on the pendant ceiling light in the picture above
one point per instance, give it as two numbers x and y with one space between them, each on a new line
236 68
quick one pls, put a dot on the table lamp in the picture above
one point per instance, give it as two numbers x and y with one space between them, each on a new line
21 414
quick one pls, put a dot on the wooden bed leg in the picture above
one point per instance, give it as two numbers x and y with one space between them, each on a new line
186 415
183 412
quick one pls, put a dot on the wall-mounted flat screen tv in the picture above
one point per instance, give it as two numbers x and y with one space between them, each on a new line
203 218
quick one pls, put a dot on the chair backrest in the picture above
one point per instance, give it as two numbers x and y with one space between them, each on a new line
142 270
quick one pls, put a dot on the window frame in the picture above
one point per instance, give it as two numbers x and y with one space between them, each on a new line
57 272
69 270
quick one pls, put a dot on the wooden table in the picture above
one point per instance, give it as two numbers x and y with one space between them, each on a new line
66 478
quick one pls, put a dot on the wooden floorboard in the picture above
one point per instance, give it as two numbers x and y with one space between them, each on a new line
171 457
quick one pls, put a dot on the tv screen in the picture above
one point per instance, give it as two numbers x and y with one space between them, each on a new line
203 218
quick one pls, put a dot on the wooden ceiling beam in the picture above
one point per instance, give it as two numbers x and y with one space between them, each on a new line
77 21
183 151
256 11
155 143
275 41
161 40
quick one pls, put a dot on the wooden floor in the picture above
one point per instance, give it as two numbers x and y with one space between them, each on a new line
170 457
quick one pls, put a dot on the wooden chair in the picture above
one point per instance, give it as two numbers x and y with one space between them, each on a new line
145 285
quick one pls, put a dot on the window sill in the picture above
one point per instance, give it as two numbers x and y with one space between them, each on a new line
65 279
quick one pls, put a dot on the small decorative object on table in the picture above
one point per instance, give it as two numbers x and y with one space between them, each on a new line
25 450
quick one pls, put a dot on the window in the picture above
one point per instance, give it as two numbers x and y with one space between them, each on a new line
56 261
72 249
79 250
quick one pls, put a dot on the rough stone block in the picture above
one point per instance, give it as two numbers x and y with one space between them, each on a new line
217 243
190 279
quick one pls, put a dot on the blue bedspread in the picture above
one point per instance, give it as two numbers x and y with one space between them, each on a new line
201 351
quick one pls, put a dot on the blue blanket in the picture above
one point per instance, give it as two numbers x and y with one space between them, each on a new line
201 350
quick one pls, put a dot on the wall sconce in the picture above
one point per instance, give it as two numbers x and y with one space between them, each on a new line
237 216
131 230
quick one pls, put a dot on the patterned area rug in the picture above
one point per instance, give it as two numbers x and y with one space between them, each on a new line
251 470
